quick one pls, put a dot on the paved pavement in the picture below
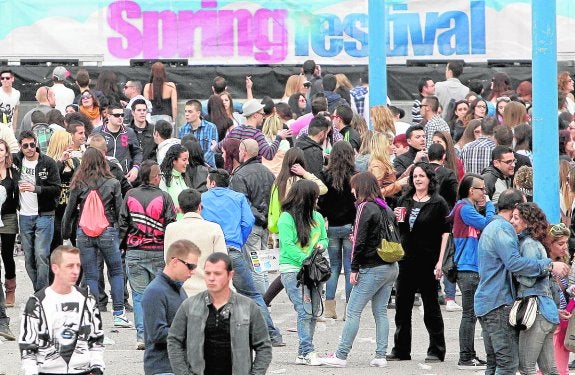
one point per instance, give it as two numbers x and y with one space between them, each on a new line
122 358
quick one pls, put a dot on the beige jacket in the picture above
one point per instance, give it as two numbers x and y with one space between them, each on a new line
208 236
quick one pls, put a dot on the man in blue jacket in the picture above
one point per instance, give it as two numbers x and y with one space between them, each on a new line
162 299
232 211
498 259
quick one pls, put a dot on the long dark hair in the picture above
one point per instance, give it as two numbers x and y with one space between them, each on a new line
292 156
300 203
293 102
366 187
429 172
172 155
217 115
94 166
157 80
341 164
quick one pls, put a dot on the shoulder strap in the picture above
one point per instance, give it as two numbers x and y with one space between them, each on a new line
355 225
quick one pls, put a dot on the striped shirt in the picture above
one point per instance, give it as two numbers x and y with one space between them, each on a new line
267 151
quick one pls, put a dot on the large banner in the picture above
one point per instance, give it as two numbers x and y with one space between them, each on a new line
228 32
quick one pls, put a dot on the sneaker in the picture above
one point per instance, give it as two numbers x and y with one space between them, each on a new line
333 361
473 364
108 341
378 362
572 365
451 305
128 307
122 321
278 341
441 298
6 333
481 361
417 300
310 359
140 345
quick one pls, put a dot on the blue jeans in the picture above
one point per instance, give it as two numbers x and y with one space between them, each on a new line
108 244
448 288
468 282
536 347
257 241
304 308
339 242
244 284
501 342
141 268
374 284
36 235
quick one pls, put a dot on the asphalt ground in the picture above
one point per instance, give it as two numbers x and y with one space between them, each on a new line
122 358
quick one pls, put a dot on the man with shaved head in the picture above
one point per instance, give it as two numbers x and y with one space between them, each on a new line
254 180
46 102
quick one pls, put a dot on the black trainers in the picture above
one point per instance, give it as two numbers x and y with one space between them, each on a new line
473 364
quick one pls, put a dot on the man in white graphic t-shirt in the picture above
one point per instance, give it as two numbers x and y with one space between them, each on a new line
39 187
9 98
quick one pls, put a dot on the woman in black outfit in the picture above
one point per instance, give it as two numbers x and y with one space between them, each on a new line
9 177
424 233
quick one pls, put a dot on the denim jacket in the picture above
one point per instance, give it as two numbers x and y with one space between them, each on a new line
498 257
248 334
536 286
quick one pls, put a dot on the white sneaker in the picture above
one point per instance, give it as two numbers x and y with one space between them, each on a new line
122 321
451 305
310 359
378 362
333 361
108 341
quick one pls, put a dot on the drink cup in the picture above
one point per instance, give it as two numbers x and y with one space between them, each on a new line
400 214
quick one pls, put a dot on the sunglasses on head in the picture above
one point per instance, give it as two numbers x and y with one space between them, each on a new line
191 266
117 115
26 145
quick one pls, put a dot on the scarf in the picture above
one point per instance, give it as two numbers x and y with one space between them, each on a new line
92 114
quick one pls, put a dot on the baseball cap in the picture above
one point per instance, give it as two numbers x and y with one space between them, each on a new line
60 73
251 106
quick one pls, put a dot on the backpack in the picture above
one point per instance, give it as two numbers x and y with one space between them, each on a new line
43 134
93 220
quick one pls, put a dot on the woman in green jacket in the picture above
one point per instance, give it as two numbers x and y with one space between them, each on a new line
301 230
173 168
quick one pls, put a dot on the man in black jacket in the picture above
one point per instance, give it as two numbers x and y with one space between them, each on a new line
255 181
39 185
498 177
415 135
341 118
143 129
311 144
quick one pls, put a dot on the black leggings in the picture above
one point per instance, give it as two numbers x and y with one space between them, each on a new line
273 290
8 241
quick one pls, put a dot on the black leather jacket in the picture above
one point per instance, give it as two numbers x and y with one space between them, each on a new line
110 193
254 180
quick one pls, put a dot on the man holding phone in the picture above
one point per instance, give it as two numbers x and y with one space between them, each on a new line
415 135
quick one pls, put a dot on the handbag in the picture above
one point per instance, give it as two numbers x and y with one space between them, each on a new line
449 266
390 250
314 271
523 313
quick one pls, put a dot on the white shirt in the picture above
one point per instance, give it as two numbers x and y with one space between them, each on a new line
8 103
64 96
28 200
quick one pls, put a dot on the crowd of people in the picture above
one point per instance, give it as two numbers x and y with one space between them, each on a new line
180 211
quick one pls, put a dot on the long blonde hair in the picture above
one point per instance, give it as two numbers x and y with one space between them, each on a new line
565 179
272 126
382 119
380 148
342 81
293 84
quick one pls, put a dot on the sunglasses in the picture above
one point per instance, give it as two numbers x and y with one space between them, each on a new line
117 115
86 96
560 229
26 145
508 162
307 85
191 266
5 78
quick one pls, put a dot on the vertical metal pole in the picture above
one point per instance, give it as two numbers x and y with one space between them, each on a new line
377 39
545 130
